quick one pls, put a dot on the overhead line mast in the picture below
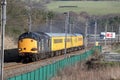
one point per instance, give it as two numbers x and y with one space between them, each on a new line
3 23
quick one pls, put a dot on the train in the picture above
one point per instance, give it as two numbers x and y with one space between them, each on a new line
33 46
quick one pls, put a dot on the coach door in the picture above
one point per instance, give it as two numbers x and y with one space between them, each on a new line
47 45
42 45
39 45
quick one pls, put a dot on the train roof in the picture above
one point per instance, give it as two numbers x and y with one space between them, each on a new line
44 34
61 34
78 34
33 35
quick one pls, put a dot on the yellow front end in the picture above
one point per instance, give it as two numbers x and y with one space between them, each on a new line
27 45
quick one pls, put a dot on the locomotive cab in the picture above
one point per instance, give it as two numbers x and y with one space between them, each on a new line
33 45
28 43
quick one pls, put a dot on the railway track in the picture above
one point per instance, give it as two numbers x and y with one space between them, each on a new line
12 69
14 65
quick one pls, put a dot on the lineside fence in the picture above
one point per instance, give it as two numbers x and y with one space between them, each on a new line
48 71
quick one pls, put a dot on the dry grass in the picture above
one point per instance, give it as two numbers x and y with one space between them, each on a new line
80 72
9 42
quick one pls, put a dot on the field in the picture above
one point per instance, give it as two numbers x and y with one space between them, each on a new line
91 7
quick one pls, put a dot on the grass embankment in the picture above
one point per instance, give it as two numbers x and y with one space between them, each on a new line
9 42
80 72
93 69
116 47
91 7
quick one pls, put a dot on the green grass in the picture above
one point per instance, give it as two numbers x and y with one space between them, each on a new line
91 7
117 50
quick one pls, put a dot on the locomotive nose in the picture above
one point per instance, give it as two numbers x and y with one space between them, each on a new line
27 45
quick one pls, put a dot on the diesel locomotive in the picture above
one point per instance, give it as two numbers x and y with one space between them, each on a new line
33 46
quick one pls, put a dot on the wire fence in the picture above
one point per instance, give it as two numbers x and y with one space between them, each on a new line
48 71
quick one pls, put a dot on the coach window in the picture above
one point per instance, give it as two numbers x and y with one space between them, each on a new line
68 40
57 40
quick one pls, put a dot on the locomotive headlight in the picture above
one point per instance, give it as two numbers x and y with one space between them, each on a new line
20 49
34 49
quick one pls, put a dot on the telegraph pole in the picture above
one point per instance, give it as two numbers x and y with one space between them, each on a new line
3 23
105 33
73 27
119 34
66 29
51 25
95 31
70 28
29 16
86 29
30 21
46 18
111 38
